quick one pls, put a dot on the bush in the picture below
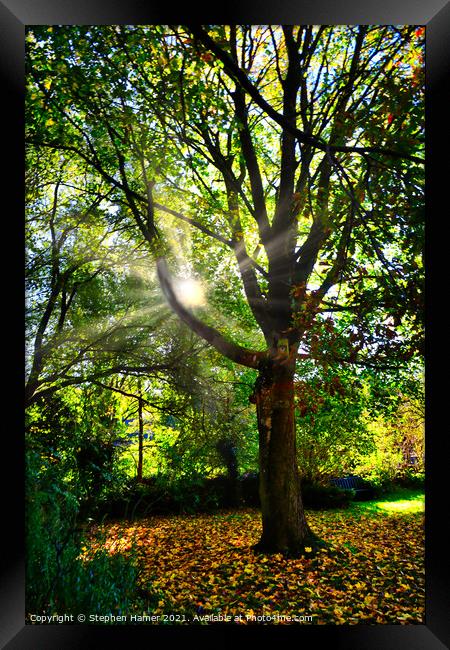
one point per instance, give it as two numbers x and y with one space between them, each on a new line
159 496
249 489
57 579
320 497
105 584
186 495
411 479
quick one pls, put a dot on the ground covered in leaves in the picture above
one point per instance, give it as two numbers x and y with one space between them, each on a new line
200 569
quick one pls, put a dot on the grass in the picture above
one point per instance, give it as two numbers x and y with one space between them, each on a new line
401 501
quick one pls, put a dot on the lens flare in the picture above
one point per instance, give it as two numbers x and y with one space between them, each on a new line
190 292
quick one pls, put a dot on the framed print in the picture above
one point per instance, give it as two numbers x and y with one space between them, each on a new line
227 252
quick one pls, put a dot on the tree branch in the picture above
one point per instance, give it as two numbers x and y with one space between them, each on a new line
232 351
240 77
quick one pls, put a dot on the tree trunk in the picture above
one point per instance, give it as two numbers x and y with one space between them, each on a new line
285 529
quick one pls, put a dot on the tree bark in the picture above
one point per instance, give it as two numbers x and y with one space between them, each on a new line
285 529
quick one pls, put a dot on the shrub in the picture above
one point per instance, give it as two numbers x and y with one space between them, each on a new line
189 495
411 479
321 497
57 579
249 489
104 584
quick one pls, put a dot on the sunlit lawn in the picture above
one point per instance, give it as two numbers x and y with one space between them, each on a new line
403 500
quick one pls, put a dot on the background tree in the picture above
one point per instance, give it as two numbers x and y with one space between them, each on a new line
294 155
93 303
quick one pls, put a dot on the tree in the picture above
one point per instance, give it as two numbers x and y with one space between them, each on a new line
331 431
93 306
294 156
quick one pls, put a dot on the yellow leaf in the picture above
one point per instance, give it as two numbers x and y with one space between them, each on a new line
49 122
308 549
47 83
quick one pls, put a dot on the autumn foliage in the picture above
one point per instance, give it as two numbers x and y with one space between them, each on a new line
202 567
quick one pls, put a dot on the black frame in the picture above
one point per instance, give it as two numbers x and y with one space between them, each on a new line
14 16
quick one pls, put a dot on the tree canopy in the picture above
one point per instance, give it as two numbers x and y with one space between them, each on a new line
294 153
